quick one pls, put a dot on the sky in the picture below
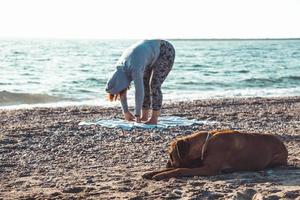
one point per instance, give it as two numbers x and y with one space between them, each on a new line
137 19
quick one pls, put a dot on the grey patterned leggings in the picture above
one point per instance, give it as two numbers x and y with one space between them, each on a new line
155 75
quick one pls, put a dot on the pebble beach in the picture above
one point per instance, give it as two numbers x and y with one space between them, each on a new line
45 154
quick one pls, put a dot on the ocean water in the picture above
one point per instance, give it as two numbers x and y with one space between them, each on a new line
74 72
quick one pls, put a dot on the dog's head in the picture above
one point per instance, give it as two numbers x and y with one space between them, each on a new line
178 152
186 151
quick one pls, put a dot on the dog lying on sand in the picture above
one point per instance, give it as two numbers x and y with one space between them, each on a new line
210 153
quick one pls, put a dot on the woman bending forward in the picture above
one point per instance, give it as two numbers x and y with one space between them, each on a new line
146 63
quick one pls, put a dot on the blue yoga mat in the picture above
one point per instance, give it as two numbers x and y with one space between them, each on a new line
164 122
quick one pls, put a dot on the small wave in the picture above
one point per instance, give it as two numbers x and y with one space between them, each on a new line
5 83
230 72
84 70
189 82
243 71
43 59
10 98
19 53
84 91
261 80
215 84
90 82
34 82
26 74
202 66
296 78
93 79
264 81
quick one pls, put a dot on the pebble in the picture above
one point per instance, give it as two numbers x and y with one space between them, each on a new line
292 194
177 191
73 189
272 197
188 132
124 189
139 139
240 196
249 192
258 196
172 195
138 197
54 194
89 179
155 137
6 141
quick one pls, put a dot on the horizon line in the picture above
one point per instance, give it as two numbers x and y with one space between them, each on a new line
176 39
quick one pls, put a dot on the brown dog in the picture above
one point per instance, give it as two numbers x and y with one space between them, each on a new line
210 153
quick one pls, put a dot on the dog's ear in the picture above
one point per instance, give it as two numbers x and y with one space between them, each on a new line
169 165
182 148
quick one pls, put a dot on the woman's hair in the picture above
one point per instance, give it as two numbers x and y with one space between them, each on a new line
115 97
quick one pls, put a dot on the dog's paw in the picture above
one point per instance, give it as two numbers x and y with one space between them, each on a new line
148 175
159 177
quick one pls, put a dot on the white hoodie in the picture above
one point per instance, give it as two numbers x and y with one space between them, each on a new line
131 67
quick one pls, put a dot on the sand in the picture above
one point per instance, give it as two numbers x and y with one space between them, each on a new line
45 154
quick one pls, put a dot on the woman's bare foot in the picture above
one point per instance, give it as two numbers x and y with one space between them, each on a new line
154 117
151 121
145 114
144 119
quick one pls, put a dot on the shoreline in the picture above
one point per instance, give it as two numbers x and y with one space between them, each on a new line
107 104
46 154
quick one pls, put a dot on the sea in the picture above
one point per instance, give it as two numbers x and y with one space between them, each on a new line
57 72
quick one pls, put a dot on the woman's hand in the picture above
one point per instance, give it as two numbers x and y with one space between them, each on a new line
128 116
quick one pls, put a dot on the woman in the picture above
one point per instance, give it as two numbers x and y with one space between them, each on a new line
146 63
